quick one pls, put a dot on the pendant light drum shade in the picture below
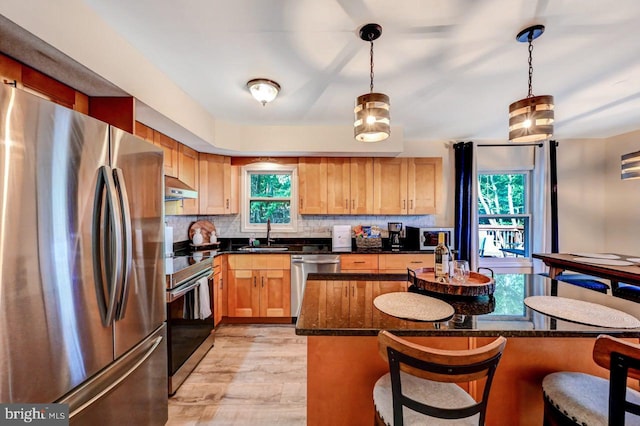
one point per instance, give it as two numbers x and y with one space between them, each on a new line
371 122
531 119
631 166
371 118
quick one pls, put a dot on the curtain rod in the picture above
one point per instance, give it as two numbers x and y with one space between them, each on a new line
511 144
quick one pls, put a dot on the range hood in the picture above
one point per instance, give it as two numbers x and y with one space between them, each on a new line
175 189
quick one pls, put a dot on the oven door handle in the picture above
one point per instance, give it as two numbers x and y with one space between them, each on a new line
181 291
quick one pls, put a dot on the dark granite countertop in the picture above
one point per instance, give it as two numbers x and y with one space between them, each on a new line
504 313
298 246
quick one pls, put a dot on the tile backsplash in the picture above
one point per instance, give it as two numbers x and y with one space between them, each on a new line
309 226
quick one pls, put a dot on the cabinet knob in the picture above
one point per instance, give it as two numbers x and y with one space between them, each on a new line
411 204
227 203
404 204
301 202
255 284
346 203
262 282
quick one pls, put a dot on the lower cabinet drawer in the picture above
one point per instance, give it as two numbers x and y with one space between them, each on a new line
401 262
359 262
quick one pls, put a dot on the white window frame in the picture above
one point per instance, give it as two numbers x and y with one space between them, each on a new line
509 264
245 188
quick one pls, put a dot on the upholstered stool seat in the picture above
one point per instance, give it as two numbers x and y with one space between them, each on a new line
422 388
445 395
627 291
583 398
585 281
573 398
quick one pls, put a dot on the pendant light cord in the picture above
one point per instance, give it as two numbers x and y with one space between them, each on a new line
371 65
530 95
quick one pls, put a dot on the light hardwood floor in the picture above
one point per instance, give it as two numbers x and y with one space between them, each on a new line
254 375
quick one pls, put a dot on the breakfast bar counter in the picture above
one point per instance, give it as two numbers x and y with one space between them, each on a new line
341 320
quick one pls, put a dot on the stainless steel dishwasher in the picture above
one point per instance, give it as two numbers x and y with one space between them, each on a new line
301 265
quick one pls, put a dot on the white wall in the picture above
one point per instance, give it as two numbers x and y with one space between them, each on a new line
581 195
621 210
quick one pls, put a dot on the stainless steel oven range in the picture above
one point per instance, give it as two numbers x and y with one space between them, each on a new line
189 313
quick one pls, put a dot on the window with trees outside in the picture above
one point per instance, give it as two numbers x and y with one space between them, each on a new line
269 194
504 214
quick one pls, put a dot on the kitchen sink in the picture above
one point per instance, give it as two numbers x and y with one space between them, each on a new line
263 248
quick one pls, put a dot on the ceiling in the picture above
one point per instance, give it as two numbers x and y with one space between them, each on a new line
450 67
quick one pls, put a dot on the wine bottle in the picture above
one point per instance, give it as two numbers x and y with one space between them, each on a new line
442 259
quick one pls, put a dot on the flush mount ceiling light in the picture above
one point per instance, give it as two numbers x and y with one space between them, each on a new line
631 166
263 90
372 110
531 118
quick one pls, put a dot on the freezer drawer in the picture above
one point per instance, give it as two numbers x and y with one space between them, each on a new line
132 390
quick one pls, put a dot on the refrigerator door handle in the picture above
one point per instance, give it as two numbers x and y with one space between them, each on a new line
105 219
126 249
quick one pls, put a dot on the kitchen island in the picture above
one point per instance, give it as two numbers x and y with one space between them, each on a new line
341 322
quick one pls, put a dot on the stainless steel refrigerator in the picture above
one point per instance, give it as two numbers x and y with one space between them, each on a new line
82 295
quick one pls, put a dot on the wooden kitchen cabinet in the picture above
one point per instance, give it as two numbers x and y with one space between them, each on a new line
344 302
275 293
218 290
188 173
170 148
144 132
259 286
423 184
390 186
406 185
398 263
338 186
312 185
218 185
359 263
349 185
244 294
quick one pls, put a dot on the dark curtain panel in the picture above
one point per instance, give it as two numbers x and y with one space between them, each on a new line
463 152
553 184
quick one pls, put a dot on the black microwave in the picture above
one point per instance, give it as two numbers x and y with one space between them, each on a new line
427 238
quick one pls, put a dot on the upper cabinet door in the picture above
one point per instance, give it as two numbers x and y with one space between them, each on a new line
312 185
338 186
170 148
390 186
188 173
143 131
215 184
425 180
361 201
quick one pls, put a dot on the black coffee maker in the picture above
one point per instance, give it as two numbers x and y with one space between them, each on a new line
395 228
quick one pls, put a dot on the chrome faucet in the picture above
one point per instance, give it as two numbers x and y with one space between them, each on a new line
269 240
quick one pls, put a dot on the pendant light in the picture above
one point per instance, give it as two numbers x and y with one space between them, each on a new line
631 166
531 118
372 109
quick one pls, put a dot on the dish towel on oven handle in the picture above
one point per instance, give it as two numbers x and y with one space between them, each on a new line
205 302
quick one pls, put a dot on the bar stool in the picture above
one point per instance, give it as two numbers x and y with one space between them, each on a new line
425 381
572 398
627 291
